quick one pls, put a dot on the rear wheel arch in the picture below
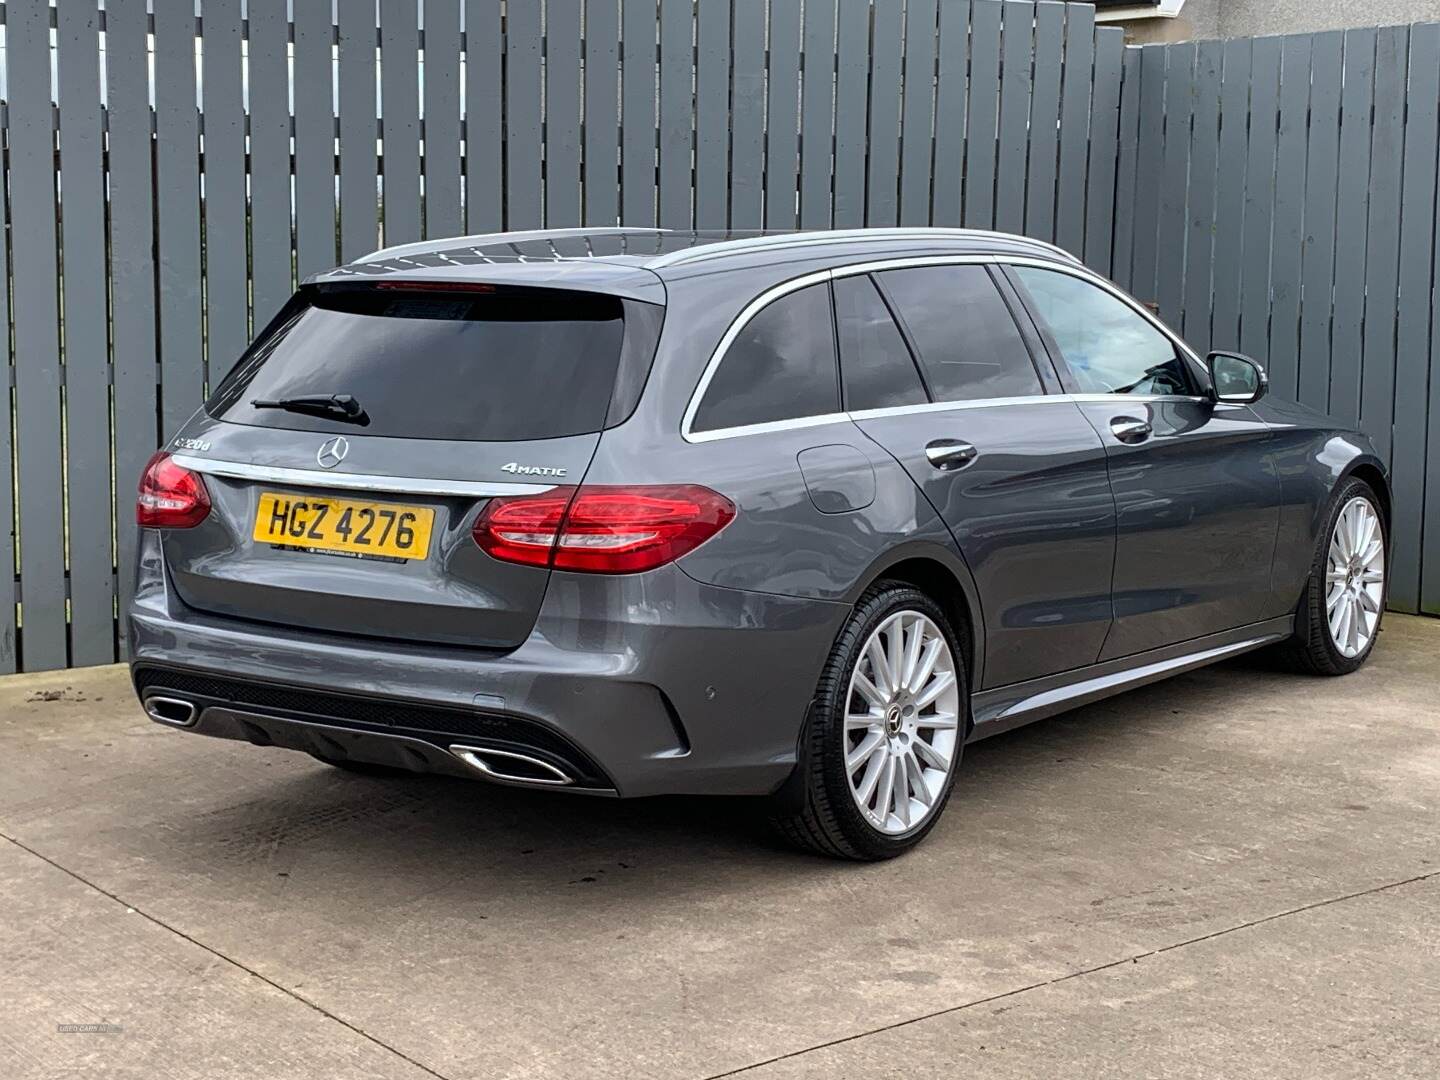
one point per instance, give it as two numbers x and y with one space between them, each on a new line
947 581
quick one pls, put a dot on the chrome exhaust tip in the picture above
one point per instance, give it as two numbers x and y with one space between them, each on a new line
509 767
177 712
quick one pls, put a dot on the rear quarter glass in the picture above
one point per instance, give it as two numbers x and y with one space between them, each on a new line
487 364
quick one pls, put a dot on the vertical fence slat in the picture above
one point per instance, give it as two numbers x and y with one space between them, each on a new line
562 114
1355 102
882 178
87 367
1287 235
817 99
1104 133
1230 195
441 126
677 113
1382 256
9 591
484 126
1414 355
917 113
315 246
1430 551
226 264
132 272
1149 159
177 194
782 116
1200 207
601 164
1016 52
712 115
1122 257
270 240
1174 181
852 36
359 198
951 94
747 120
637 80
982 115
400 120
1317 262
37 363
1075 126
1259 198
1044 125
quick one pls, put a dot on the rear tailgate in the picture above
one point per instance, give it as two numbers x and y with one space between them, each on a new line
319 522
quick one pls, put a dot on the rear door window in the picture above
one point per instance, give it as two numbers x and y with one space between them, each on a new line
484 364
960 325
781 366
875 363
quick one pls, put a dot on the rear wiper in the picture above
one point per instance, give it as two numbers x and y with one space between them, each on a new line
340 407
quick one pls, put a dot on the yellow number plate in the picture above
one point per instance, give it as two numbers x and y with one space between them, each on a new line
355 528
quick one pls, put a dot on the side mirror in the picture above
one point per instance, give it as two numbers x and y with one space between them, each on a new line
1236 379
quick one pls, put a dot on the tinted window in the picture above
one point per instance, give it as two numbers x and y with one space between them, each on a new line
1110 348
781 366
965 334
875 363
499 365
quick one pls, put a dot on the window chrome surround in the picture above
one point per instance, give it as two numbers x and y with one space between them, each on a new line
1074 269
400 485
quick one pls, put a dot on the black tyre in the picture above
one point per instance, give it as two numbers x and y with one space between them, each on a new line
886 731
1338 618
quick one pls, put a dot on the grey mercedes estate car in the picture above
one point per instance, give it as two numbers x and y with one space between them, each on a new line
631 512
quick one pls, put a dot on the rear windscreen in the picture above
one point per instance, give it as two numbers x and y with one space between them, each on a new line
485 364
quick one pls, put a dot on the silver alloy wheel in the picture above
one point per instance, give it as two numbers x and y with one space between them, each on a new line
902 716
1355 577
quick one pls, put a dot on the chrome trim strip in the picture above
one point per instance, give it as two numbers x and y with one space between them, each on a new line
1118 681
767 428
952 406
841 236
400 485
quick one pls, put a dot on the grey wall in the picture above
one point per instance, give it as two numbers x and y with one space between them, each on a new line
1202 19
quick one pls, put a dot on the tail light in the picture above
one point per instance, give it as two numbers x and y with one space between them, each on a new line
171 496
602 529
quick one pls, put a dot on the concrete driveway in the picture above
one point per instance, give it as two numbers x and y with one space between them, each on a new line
1233 874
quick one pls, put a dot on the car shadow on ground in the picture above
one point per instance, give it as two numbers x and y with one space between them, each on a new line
427 827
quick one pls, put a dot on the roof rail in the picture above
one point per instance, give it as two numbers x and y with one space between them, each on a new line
841 236
444 243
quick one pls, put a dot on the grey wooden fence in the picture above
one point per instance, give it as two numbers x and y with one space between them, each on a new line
1282 200
152 222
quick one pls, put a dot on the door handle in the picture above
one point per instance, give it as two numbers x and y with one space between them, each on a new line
1130 429
950 454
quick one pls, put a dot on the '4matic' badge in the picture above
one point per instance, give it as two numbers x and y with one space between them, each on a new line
516 468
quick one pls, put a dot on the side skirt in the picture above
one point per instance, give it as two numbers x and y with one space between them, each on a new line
1008 707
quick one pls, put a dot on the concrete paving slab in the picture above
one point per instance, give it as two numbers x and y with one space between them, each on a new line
89 987
1349 989
493 932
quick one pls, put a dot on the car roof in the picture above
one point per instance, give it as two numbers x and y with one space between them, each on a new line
636 262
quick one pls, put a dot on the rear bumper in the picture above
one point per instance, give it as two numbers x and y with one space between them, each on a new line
633 685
